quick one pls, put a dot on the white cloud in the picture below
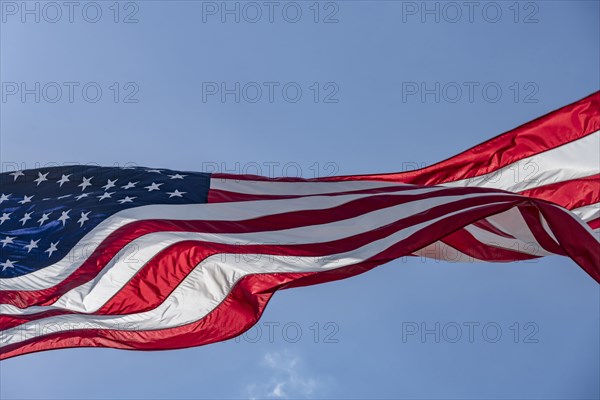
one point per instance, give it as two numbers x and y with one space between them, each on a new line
287 378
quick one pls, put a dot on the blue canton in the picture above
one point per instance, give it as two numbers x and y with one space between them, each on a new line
45 212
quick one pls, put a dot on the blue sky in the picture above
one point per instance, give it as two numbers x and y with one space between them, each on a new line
158 67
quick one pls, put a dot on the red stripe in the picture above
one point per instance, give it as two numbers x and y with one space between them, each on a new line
570 194
550 131
594 224
224 196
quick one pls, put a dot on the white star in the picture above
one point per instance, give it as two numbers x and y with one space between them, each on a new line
84 217
154 170
64 217
82 195
44 218
17 174
26 217
105 195
64 197
51 249
7 240
26 199
177 176
85 183
154 186
127 199
4 197
63 179
176 193
7 264
4 217
109 184
41 178
130 185
32 245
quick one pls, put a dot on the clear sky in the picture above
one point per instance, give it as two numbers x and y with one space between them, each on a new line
160 70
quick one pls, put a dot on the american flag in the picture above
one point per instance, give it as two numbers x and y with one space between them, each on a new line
150 258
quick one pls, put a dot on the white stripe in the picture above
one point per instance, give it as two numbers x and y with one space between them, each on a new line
203 289
91 296
56 273
588 213
278 188
576 159
491 239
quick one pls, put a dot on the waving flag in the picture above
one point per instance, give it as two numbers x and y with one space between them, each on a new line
140 258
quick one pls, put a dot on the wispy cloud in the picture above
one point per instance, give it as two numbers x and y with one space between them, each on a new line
287 378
